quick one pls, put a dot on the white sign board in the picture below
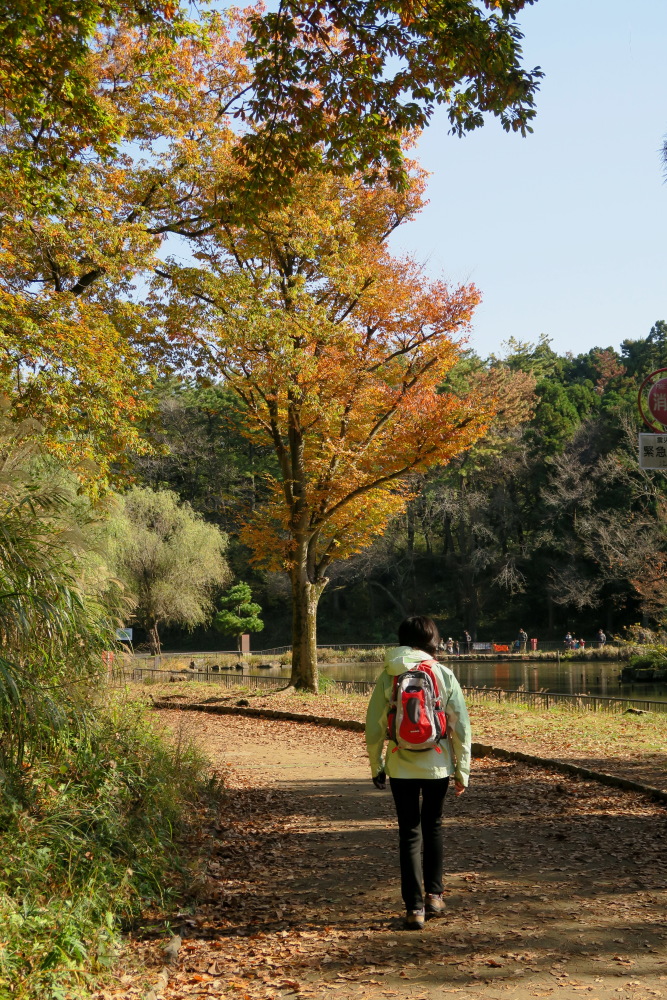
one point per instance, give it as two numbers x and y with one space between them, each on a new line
653 451
124 634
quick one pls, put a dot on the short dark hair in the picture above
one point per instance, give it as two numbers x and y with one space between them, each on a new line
420 633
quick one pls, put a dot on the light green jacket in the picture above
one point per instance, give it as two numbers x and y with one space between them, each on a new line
455 756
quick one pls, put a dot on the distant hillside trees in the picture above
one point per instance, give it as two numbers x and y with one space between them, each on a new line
546 518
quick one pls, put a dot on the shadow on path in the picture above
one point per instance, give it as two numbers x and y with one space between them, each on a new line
554 884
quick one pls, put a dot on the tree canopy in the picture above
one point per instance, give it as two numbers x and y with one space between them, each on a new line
339 83
333 83
168 559
337 352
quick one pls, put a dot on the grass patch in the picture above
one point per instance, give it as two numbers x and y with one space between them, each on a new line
350 655
229 661
88 841
562 730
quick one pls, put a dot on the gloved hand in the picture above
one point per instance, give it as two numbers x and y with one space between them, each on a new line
380 780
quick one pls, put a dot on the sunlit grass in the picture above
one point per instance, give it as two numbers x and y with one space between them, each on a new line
596 732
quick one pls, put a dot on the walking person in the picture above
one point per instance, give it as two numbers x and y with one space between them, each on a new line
417 706
467 641
522 639
601 638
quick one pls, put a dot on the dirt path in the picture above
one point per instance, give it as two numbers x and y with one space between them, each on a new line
555 887
627 746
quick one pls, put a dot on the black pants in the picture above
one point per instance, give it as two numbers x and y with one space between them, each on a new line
416 827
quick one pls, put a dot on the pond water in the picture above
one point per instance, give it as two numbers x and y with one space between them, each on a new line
596 677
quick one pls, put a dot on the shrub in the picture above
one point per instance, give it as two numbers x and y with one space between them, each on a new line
372 655
327 685
652 659
88 838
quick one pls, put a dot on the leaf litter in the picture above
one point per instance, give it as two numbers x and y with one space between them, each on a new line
298 892
629 746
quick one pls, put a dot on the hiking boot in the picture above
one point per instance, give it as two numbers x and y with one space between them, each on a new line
414 920
435 905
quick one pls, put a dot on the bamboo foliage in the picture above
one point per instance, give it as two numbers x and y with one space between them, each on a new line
53 630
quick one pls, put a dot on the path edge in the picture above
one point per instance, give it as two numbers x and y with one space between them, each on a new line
479 750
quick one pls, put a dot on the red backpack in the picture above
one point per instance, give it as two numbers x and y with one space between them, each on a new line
416 720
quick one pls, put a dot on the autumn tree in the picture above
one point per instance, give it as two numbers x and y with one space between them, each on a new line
535 523
69 353
336 351
126 125
76 342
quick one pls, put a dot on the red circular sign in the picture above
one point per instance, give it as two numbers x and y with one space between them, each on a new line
657 401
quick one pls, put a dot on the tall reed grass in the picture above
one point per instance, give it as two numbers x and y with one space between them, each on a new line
92 799
89 839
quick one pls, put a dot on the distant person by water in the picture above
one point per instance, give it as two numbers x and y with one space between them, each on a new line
600 638
522 639
467 641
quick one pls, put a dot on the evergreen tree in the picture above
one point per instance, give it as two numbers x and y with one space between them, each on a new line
239 613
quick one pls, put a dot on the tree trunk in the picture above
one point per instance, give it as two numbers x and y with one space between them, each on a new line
410 515
305 598
155 639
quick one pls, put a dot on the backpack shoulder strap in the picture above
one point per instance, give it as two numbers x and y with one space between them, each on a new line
394 688
427 667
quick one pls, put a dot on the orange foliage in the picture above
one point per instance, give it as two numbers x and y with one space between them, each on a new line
338 351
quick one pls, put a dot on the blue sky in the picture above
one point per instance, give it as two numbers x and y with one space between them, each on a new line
564 232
